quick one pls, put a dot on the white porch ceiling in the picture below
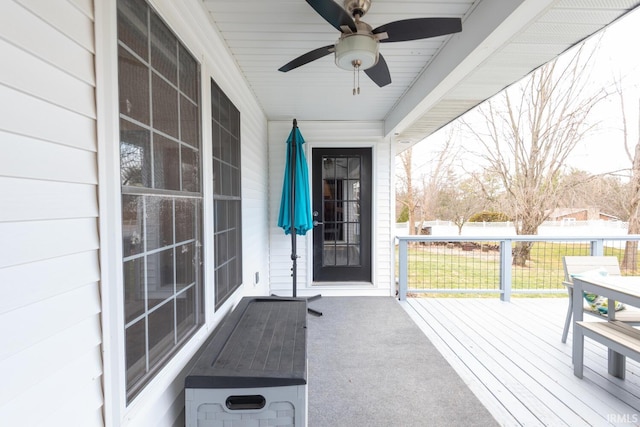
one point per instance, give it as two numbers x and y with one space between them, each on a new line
433 81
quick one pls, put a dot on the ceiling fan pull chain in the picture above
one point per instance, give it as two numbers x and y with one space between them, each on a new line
356 68
354 80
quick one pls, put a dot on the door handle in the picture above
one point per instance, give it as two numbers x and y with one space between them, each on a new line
315 221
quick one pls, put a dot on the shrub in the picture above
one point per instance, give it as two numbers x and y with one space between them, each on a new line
489 216
404 215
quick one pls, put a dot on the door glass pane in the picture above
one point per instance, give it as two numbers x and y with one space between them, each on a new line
341 211
354 167
340 170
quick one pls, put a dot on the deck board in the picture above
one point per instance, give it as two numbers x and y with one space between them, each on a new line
512 357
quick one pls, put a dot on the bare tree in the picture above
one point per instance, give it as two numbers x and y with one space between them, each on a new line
408 197
460 200
439 174
606 192
529 131
630 259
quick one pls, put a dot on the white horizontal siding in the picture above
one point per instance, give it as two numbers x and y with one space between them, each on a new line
85 6
255 203
32 158
80 411
27 368
22 285
60 50
52 358
24 327
37 118
50 329
36 77
24 242
74 386
65 17
29 199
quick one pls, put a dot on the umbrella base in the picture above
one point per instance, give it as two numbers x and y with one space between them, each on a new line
309 310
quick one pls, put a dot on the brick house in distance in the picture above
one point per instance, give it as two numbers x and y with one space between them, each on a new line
580 214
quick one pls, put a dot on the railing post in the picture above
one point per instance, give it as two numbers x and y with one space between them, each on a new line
403 267
505 270
597 247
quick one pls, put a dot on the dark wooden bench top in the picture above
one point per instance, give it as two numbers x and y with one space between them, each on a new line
261 343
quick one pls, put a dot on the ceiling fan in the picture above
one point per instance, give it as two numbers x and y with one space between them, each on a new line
357 47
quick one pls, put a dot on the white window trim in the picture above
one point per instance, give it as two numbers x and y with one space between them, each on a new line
116 411
113 381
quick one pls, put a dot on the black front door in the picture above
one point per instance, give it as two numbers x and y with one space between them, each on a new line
342 209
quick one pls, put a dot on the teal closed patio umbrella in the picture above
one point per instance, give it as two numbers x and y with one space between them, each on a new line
295 205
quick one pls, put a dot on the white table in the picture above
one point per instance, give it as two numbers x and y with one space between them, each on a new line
625 289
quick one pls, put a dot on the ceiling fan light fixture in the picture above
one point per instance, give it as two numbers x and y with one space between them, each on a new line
356 47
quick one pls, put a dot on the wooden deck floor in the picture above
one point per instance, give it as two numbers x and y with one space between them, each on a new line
511 356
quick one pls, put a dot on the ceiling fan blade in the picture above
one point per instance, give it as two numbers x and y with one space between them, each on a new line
333 14
307 57
418 28
379 73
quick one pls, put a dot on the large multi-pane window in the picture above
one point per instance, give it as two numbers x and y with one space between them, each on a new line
225 120
160 172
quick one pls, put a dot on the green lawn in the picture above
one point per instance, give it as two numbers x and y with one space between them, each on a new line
442 267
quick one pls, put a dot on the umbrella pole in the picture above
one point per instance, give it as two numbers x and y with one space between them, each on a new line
292 210
292 207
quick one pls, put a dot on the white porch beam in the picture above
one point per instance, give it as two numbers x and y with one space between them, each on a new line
489 27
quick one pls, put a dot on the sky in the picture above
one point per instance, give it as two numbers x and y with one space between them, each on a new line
603 151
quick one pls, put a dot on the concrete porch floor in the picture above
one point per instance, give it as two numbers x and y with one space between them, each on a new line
371 365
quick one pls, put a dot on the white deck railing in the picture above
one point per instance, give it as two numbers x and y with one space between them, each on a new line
484 265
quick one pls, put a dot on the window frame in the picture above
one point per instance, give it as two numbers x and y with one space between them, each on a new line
226 141
166 346
116 408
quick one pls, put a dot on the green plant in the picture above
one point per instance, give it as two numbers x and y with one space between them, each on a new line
489 216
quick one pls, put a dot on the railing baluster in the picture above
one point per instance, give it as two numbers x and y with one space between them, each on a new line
403 273
597 247
505 269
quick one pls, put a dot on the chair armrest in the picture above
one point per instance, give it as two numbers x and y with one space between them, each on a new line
567 284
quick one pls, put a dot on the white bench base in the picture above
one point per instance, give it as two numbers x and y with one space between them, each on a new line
622 339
